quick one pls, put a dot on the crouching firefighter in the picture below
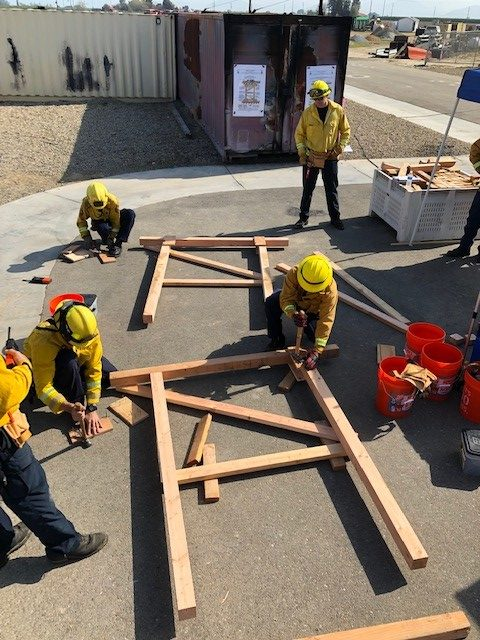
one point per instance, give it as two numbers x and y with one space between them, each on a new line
112 224
23 484
69 369
309 297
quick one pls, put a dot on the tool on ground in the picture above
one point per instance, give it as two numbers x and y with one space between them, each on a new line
39 280
10 344
470 329
85 440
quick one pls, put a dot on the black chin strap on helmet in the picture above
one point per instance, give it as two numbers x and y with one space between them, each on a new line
61 323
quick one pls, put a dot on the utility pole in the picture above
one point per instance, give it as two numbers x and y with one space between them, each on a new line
249 6
320 7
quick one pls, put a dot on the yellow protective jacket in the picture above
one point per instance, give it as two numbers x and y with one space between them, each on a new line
324 304
42 347
322 137
14 386
475 155
110 213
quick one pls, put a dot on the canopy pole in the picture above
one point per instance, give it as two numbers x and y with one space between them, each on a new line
432 175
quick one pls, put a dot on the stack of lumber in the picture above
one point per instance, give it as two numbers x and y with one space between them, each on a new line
447 175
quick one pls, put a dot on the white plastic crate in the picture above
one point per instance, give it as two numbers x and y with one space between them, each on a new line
443 218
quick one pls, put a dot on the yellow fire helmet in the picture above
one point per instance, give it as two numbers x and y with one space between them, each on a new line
97 195
314 273
76 322
319 89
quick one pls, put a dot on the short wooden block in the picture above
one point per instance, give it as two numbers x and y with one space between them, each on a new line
201 432
384 351
75 436
128 411
76 255
106 259
456 339
287 383
211 487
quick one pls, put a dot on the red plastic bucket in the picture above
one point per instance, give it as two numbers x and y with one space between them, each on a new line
420 334
470 402
394 396
444 360
54 302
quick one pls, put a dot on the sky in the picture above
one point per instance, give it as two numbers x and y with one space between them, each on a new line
440 8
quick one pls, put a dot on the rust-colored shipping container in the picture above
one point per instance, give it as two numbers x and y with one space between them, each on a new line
272 54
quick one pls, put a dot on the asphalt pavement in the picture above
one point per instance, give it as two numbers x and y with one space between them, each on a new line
282 555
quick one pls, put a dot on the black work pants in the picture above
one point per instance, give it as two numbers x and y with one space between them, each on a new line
25 491
127 220
274 312
473 224
330 183
69 377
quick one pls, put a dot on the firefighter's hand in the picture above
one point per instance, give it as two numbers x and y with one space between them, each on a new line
77 411
92 423
302 159
312 358
17 356
300 318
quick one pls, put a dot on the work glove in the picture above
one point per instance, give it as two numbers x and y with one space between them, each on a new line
302 158
311 359
300 318
337 151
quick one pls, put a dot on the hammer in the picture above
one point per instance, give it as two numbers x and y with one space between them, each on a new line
298 342
86 442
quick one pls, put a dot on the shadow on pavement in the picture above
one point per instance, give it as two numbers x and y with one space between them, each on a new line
469 599
36 259
24 571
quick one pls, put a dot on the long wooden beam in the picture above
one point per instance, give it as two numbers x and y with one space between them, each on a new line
370 295
259 463
360 306
318 429
180 370
400 528
175 526
156 286
225 242
446 626
261 244
210 282
214 264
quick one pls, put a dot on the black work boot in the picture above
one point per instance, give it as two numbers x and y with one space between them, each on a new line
301 222
89 544
276 343
337 223
21 535
459 252
115 250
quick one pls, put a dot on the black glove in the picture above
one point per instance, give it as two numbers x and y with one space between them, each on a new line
300 319
311 360
88 242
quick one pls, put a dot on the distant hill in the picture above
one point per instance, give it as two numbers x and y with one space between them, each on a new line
473 12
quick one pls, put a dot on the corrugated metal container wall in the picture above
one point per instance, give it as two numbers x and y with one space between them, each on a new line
201 71
83 54
286 45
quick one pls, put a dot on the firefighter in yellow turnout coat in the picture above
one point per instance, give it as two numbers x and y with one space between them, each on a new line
309 297
66 354
321 136
23 484
108 220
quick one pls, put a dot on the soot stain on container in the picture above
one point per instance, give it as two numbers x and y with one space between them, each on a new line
191 47
78 80
16 65
107 65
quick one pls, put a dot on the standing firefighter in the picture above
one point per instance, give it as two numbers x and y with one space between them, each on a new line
112 224
473 221
23 484
309 297
321 136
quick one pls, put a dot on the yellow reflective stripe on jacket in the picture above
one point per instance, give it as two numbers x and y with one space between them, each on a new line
320 342
50 396
94 389
289 309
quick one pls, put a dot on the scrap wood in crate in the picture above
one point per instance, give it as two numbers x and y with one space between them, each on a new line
168 246
447 175
149 382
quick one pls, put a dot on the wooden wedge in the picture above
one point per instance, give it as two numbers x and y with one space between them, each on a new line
128 411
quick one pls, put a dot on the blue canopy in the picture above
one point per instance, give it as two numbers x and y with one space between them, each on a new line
469 88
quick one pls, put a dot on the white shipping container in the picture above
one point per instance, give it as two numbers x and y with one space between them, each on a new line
83 54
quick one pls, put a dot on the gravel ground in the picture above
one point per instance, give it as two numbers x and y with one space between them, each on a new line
43 145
